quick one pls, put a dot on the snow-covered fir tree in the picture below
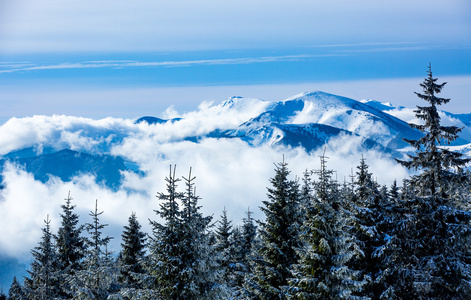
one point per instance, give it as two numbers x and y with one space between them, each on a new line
200 268
243 243
16 291
323 270
393 191
181 263
163 264
279 239
43 281
98 277
433 238
369 222
133 248
70 245
223 247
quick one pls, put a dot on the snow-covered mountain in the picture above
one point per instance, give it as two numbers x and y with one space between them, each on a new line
65 147
311 119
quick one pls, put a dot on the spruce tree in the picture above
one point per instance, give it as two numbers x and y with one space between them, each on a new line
279 238
181 262
164 262
440 167
16 291
70 245
200 268
133 248
369 224
394 191
243 245
224 247
44 270
435 260
323 270
97 279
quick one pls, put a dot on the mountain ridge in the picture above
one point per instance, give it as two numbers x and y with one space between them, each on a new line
308 120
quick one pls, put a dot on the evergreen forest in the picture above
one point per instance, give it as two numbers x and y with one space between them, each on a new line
320 238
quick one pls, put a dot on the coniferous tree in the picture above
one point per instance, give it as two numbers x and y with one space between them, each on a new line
181 263
97 279
43 276
2 295
323 270
163 265
440 166
369 225
224 247
394 191
243 245
434 235
16 291
249 240
279 239
132 254
200 269
70 245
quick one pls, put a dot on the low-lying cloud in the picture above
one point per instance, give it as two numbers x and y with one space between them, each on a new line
230 173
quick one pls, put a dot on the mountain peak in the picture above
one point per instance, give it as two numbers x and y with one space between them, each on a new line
384 106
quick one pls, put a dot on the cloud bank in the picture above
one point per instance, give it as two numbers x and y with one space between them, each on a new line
229 172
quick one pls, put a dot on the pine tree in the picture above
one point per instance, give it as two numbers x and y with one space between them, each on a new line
200 270
2 295
369 225
394 191
16 291
224 247
70 245
248 242
164 261
242 244
181 263
132 253
44 270
434 235
279 239
323 270
438 164
98 277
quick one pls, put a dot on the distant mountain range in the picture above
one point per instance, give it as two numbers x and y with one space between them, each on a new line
308 120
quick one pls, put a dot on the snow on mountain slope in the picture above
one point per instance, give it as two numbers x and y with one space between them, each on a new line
408 115
334 111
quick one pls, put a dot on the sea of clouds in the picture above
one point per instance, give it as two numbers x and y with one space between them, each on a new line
230 173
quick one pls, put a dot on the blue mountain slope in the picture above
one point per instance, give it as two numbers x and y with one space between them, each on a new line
154 120
331 115
66 164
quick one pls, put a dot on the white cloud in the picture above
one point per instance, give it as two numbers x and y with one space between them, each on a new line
229 172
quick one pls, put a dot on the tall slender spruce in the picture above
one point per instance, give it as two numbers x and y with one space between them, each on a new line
44 270
224 248
99 275
164 263
70 245
279 238
131 258
434 236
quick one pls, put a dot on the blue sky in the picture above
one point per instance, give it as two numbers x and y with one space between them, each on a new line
128 59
